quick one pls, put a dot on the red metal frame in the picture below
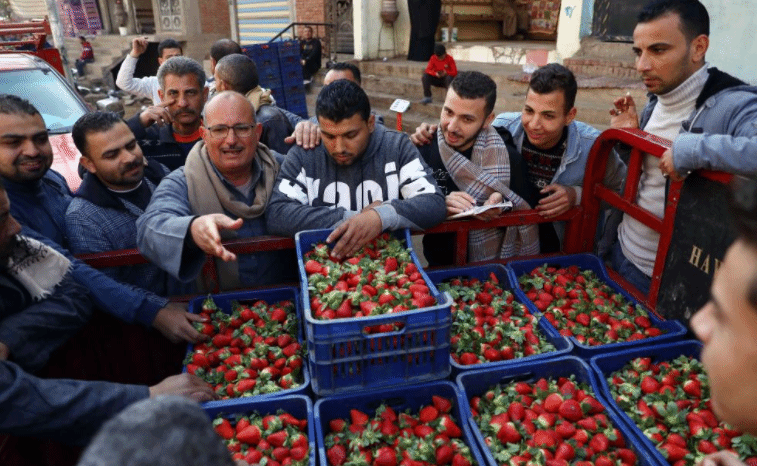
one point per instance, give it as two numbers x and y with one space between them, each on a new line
581 221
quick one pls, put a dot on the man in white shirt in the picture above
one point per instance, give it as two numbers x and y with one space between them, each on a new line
149 85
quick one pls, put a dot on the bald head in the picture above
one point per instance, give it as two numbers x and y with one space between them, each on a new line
224 102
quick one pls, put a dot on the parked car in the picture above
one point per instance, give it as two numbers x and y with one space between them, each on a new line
35 80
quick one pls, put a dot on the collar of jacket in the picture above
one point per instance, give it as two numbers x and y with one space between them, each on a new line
572 146
94 191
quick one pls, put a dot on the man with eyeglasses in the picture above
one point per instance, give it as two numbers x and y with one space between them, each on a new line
221 193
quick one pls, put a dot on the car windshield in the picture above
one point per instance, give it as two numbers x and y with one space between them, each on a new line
49 95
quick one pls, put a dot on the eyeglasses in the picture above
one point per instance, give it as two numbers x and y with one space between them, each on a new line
221 131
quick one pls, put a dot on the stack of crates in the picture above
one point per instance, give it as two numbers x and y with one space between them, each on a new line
280 70
291 77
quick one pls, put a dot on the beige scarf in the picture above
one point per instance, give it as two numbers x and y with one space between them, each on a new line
208 195
489 171
37 266
259 97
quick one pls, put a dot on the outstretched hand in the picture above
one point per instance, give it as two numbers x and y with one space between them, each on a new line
205 231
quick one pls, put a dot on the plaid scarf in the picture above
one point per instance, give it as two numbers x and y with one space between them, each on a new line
489 171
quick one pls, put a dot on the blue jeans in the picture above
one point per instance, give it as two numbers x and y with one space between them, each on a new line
628 270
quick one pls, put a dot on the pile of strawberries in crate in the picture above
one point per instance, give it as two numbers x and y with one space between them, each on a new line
579 304
274 440
488 324
670 402
553 422
380 278
430 437
253 350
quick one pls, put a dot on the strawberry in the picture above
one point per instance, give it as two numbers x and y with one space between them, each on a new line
277 439
460 460
385 456
448 426
358 417
443 405
428 414
444 455
508 433
571 410
336 455
223 428
250 435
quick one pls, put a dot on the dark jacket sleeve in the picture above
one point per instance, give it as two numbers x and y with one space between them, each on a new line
69 411
33 333
289 210
123 301
276 128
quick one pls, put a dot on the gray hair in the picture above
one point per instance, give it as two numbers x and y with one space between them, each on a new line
181 66
162 431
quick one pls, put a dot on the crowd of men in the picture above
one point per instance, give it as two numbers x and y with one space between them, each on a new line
216 159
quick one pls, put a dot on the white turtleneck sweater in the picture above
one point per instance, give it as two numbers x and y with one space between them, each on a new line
638 241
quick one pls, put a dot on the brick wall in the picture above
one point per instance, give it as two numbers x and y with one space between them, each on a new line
310 10
214 17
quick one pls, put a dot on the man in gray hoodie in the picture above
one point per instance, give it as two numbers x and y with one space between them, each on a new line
361 179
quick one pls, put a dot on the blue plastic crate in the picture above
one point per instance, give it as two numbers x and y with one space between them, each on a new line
273 295
289 48
477 382
342 357
562 345
605 364
296 100
298 406
289 60
278 94
265 49
399 398
269 78
673 329
291 76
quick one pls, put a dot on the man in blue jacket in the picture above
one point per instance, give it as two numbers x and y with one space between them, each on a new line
708 114
42 306
39 199
554 146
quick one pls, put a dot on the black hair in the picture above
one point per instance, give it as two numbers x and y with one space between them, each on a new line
93 122
223 47
553 77
14 105
476 85
439 49
695 20
82 38
169 44
346 66
239 72
342 99
743 209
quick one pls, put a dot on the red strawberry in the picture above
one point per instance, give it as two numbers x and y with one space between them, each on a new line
428 414
571 410
250 435
277 439
508 433
460 460
336 455
444 455
599 442
385 456
223 428
552 402
312 267
443 405
358 417
448 426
